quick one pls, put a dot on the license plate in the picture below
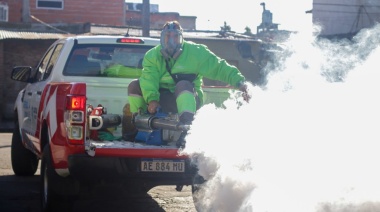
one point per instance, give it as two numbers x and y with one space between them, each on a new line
153 165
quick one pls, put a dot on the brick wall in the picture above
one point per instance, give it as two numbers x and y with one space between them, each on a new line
13 53
14 10
157 20
109 12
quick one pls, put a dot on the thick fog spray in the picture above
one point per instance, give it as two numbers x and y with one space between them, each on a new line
307 141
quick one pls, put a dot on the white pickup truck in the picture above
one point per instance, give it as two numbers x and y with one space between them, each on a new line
55 120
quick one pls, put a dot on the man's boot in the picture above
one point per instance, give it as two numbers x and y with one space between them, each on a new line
129 131
181 142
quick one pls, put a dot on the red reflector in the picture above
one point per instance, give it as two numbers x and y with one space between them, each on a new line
129 40
76 102
78 142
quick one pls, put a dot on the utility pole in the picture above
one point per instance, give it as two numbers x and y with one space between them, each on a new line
146 18
25 11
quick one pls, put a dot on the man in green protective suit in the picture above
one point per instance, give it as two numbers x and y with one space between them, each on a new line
172 75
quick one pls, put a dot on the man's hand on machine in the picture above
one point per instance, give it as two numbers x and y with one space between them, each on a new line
243 87
152 106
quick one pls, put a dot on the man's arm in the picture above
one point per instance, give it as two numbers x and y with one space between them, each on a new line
219 69
149 79
216 68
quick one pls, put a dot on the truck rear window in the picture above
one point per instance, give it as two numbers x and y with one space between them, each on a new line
106 60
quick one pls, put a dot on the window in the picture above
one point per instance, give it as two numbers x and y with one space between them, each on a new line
3 12
40 70
50 4
106 60
52 61
47 63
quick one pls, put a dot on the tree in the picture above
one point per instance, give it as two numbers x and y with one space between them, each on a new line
224 29
248 31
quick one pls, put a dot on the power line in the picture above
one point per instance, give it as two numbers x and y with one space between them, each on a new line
48 25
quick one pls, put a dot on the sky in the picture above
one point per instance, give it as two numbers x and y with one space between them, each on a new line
211 14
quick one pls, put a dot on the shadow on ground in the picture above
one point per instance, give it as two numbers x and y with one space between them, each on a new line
21 194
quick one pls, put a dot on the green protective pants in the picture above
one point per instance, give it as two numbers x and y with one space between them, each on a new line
137 102
184 101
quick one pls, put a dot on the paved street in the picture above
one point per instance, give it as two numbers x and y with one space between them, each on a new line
21 194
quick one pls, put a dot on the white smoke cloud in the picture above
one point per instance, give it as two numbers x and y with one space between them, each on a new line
307 141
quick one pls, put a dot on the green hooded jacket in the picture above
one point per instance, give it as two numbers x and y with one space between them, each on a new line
194 59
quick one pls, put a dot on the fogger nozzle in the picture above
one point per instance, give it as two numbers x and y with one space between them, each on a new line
151 122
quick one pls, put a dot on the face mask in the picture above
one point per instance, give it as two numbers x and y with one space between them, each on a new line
171 41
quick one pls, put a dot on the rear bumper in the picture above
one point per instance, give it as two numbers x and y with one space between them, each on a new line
122 169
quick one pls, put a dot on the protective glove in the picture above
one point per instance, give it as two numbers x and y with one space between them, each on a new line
107 136
243 87
152 106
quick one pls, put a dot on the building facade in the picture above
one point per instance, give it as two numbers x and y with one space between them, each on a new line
110 12
157 19
345 17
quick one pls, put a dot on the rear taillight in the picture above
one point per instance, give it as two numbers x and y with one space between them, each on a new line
76 103
75 118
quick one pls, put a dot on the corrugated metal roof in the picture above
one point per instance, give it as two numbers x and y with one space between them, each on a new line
105 30
108 30
6 34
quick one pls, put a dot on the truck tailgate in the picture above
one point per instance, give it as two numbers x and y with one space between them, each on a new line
132 149
123 160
